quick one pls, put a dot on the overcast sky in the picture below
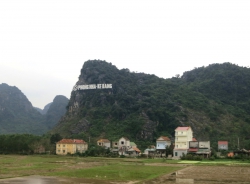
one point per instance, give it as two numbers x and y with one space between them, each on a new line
44 43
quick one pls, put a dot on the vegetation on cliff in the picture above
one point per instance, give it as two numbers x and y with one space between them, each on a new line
213 100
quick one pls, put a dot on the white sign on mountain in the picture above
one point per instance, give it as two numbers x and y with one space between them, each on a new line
92 86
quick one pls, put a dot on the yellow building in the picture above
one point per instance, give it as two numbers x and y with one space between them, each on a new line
182 137
71 146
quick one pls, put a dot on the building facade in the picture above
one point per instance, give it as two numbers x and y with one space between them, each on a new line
104 143
222 145
183 135
71 146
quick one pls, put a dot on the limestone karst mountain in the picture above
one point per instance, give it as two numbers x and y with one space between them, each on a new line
213 100
17 115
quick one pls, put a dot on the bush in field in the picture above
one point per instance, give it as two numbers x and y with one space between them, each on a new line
191 157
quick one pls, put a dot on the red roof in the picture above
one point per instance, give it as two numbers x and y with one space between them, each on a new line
103 140
193 149
194 139
182 128
223 142
71 141
165 138
137 150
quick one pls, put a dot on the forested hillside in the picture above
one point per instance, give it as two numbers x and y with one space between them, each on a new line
213 100
17 115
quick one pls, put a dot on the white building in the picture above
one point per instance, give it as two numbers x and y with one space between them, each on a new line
162 142
104 143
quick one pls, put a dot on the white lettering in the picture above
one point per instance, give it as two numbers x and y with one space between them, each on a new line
92 86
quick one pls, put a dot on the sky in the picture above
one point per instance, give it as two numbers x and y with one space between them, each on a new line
44 43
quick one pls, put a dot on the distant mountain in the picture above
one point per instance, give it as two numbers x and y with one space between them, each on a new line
56 110
213 100
17 115
38 109
45 109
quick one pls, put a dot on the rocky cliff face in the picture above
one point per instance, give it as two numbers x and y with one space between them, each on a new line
113 112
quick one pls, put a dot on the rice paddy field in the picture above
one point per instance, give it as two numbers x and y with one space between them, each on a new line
69 169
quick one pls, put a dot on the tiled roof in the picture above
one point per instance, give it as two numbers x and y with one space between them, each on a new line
126 138
103 140
71 141
223 142
194 139
165 138
182 128
136 149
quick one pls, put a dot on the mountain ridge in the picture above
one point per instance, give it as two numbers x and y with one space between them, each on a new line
142 106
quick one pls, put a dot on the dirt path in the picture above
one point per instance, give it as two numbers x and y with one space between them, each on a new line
206 175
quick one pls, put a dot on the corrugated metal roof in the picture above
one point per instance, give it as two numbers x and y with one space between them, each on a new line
132 144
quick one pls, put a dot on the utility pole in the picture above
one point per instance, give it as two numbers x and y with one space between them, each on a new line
238 143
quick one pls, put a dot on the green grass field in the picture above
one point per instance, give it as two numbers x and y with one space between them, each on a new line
112 169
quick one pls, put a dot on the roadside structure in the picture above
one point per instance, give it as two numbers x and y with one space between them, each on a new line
71 146
200 148
183 135
222 145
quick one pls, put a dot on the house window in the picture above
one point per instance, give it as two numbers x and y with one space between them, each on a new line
176 154
181 132
58 150
59 145
122 142
63 145
177 146
63 151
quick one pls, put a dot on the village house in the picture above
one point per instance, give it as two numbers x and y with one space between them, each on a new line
200 148
71 146
161 144
183 135
150 151
104 143
123 145
222 145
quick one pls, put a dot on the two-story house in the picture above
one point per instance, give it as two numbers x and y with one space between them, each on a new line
182 137
123 145
104 143
162 142
200 148
71 146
